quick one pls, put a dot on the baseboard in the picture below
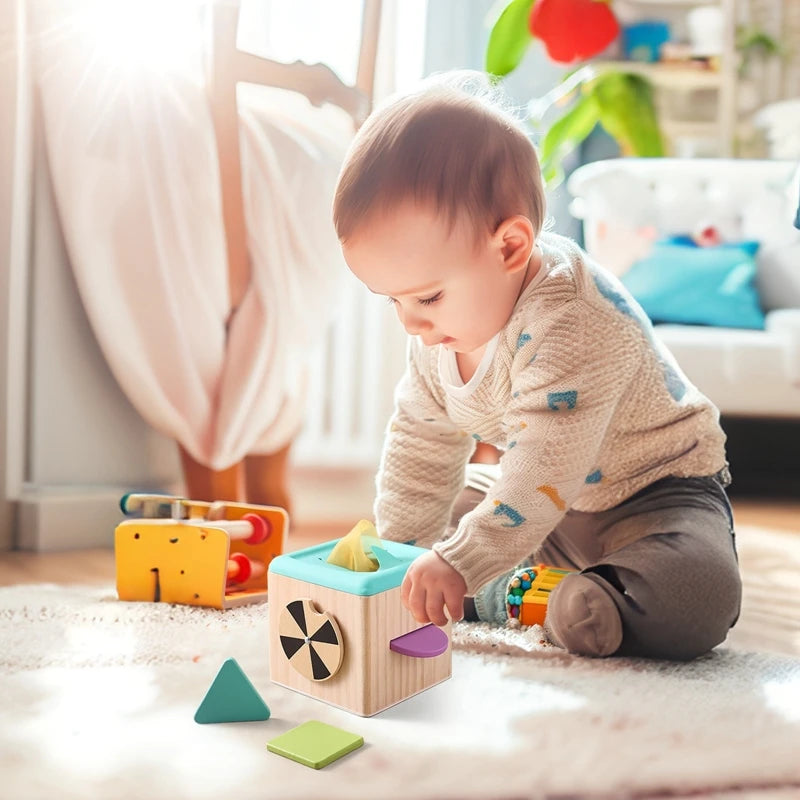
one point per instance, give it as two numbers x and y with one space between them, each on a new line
51 519
55 518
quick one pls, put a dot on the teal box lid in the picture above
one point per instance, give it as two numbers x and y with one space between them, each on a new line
312 565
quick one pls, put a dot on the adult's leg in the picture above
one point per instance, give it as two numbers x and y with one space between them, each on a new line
266 479
204 483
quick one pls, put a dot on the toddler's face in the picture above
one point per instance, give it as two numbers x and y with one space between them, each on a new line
445 288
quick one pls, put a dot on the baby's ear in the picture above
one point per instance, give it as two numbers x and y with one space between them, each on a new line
516 239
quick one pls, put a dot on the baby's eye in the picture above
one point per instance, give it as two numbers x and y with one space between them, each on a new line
426 301
391 301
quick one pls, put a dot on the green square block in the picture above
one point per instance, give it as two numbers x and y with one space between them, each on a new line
315 744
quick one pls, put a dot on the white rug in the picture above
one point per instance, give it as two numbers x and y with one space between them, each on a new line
97 700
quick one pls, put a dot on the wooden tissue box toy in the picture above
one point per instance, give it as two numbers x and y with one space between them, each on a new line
344 636
200 554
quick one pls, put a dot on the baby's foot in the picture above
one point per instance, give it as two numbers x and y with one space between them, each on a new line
583 618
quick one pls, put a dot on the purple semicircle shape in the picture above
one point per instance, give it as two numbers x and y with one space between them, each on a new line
426 642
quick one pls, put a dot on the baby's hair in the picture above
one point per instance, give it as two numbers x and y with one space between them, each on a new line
453 146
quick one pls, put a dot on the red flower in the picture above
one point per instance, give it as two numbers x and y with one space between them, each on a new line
573 30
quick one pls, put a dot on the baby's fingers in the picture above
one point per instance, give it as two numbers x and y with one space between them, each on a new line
405 590
434 607
416 602
455 606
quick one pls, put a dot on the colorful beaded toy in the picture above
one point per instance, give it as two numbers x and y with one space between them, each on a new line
529 591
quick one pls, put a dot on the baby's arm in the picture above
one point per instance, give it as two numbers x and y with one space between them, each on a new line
422 466
566 389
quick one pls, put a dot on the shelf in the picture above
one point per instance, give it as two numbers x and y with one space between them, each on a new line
677 85
667 76
674 128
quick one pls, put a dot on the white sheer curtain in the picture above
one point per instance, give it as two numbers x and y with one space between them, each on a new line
132 155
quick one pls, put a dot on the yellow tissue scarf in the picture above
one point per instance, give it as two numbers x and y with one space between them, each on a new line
350 551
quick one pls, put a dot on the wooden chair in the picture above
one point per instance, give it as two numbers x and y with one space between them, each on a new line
262 479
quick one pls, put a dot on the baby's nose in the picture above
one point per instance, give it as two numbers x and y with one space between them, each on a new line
414 323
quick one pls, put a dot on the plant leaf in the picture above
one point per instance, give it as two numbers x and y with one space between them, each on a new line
566 133
509 38
552 175
628 113
754 38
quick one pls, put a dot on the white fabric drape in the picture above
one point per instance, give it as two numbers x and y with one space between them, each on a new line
135 174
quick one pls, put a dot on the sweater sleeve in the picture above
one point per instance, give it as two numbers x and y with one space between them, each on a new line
565 390
423 460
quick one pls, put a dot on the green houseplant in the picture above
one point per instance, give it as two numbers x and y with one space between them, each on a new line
753 43
573 31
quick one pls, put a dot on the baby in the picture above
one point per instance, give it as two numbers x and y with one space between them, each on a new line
613 463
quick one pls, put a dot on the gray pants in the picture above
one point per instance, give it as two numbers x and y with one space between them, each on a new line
656 576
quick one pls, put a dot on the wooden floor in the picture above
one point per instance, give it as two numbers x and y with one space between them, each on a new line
770 614
781 515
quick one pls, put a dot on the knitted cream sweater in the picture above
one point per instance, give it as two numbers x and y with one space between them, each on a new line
585 403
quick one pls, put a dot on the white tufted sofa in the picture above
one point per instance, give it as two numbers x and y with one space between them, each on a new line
627 203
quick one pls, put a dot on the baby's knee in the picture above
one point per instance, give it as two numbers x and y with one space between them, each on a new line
698 620
679 619
677 642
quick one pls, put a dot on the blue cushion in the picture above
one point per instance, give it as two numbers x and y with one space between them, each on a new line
680 282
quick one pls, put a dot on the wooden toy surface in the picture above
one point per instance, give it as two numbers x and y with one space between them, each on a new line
187 560
372 676
167 561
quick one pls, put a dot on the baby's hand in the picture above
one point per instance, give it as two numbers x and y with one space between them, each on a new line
430 585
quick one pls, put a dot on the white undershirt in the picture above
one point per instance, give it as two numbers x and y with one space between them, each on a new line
450 376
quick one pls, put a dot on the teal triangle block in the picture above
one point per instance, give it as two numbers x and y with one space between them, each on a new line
231 698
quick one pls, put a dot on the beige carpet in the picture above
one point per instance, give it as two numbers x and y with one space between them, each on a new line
97 701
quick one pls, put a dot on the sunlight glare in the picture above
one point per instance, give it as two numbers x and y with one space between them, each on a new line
117 643
72 727
783 697
138 35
